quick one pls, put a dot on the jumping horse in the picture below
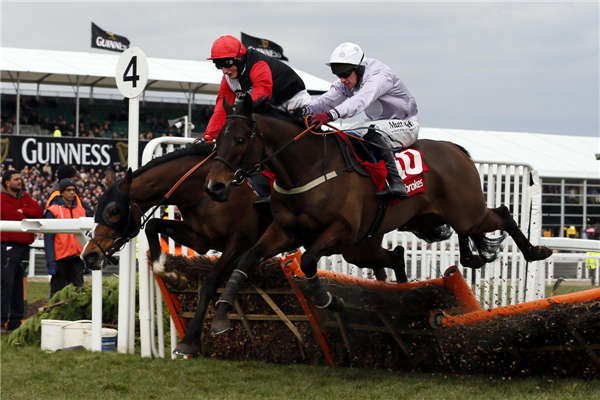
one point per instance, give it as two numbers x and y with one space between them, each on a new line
231 228
335 217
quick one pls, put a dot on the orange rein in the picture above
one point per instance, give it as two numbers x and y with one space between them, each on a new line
183 178
309 129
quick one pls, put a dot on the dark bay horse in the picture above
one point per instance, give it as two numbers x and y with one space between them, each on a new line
231 228
334 216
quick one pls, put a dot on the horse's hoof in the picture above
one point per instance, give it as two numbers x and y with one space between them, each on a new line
183 349
536 253
219 326
182 282
475 262
336 305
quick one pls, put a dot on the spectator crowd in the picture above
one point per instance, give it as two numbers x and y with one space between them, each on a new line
38 182
111 127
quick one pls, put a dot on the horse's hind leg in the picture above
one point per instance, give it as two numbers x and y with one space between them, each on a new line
380 259
500 219
467 257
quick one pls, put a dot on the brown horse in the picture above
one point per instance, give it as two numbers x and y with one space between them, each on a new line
334 217
231 228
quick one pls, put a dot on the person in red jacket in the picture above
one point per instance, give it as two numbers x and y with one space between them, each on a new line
15 205
249 72
63 249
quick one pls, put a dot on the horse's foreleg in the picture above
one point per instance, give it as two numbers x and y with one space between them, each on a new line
235 247
180 233
274 241
329 242
500 219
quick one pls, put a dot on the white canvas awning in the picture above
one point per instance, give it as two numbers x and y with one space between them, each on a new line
556 156
52 67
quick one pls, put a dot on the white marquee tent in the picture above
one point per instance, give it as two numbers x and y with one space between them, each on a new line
557 156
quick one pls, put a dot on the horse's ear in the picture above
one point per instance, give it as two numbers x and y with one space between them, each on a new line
228 108
248 106
126 182
110 177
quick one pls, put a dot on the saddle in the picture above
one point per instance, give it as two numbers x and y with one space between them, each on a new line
354 149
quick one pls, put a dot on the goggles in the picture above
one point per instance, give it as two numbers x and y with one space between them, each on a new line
345 75
223 63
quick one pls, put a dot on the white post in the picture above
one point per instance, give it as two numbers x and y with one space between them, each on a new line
132 77
18 129
97 310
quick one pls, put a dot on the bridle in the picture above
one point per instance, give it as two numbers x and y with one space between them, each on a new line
127 225
240 174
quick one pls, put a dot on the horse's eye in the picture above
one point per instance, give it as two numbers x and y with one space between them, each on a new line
113 214
240 140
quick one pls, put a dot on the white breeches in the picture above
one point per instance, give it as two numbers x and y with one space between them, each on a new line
301 99
396 132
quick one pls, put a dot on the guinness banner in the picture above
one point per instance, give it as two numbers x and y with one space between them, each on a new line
265 46
102 39
20 150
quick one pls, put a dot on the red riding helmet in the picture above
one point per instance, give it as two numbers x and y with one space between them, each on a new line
226 47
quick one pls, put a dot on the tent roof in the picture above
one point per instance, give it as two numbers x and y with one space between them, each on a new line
553 156
52 67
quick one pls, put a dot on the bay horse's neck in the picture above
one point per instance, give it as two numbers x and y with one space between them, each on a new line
302 161
149 188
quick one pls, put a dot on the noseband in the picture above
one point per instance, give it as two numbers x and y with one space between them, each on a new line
240 174
126 225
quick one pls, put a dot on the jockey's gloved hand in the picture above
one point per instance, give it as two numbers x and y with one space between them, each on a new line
51 271
320 120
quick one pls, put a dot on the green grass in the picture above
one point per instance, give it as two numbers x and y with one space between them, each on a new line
29 373
37 291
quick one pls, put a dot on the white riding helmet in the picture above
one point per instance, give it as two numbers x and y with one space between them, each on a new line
345 57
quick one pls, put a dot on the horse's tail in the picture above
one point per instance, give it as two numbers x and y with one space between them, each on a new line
487 248
464 150
438 234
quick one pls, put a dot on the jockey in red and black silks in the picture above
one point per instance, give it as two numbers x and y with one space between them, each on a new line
251 72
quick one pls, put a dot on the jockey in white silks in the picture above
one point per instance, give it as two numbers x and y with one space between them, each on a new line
369 85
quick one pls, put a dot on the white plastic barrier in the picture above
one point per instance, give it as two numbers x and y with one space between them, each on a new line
77 227
149 290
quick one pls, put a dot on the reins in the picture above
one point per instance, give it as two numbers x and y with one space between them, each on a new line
145 218
169 193
241 173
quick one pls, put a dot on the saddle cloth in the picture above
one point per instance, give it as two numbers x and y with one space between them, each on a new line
410 165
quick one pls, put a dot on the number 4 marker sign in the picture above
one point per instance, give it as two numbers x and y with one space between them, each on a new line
132 72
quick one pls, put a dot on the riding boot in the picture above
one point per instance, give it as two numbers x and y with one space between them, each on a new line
395 188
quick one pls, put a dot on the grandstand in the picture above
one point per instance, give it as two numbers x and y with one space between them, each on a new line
153 116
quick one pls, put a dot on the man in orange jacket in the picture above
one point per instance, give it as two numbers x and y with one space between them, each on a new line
15 205
63 249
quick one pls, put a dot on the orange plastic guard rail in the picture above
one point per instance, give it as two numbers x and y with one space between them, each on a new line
439 318
452 280
369 283
455 282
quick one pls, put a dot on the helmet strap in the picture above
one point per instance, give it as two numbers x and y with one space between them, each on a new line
360 71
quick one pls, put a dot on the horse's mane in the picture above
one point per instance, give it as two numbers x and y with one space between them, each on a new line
189 150
262 106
